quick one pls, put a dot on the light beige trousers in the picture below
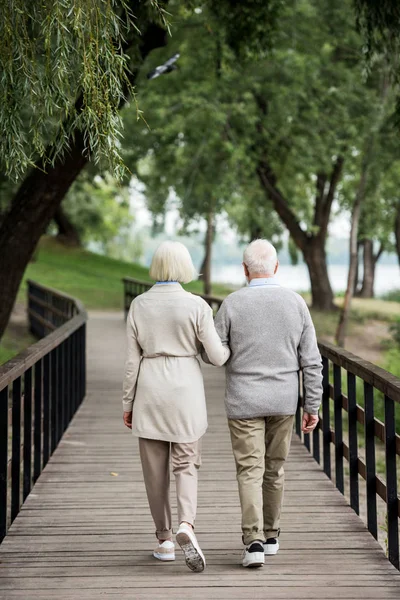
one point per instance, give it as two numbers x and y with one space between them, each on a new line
186 460
260 447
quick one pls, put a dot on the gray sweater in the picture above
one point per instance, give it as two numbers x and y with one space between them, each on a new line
271 336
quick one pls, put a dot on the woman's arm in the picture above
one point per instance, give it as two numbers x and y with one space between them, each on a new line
217 352
133 358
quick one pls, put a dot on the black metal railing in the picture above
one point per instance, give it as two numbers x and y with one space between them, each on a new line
134 287
324 438
40 390
353 417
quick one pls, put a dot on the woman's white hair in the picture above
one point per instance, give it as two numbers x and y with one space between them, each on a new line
260 258
172 262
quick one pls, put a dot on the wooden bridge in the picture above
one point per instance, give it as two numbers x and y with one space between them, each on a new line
84 530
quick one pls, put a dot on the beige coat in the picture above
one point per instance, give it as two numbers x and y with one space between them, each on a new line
166 328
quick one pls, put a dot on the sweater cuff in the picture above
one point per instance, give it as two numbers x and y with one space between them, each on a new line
127 405
311 410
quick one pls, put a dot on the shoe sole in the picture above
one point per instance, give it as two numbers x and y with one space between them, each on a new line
164 557
194 560
258 561
271 552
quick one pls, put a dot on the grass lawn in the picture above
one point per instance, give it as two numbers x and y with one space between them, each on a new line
12 344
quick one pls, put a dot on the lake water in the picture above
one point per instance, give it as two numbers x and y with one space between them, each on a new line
387 277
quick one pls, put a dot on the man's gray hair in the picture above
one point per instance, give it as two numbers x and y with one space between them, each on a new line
260 257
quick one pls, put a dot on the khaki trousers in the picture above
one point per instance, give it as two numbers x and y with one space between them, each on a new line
260 447
155 456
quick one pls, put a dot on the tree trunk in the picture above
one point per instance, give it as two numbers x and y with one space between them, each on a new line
67 232
205 272
355 220
357 277
315 259
311 245
367 289
37 199
397 231
32 209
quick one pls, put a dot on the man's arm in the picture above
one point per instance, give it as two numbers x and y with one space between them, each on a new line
222 325
311 365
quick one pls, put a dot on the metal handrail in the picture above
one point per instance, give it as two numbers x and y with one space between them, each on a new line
44 384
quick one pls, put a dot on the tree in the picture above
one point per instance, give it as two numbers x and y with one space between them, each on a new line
368 184
188 147
311 109
50 62
91 91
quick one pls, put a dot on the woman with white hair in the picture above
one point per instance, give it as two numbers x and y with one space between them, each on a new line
163 400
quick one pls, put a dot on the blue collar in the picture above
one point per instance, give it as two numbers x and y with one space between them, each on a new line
263 282
165 282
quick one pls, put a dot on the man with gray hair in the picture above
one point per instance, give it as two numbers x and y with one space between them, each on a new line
271 336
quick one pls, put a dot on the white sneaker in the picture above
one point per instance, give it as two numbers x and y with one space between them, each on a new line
165 551
193 555
271 546
253 555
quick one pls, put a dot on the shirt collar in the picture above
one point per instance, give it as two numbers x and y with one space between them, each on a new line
263 282
165 282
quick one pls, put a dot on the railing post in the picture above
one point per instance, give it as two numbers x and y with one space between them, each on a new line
337 399
27 476
370 465
54 391
306 435
16 449
391 483
326 427
353 442
84 361
46 409
37 431
298 411
3 460
316 450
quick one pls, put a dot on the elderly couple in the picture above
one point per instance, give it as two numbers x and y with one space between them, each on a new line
265 334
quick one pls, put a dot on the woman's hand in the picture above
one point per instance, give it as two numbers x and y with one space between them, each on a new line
128 419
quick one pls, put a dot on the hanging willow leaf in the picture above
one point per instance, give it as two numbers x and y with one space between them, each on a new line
51 53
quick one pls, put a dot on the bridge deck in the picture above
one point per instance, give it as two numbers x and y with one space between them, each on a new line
85 530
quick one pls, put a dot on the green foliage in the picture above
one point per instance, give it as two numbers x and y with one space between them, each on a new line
393 296
378 21
249 26
64 70
395 331
99 209
207 133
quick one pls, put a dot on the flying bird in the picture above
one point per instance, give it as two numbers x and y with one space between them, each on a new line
167 67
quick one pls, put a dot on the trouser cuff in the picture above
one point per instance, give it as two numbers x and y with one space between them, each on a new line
189 520
272 533
248 538
164 534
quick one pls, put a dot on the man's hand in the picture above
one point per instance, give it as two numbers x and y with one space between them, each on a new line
128 419
309 422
